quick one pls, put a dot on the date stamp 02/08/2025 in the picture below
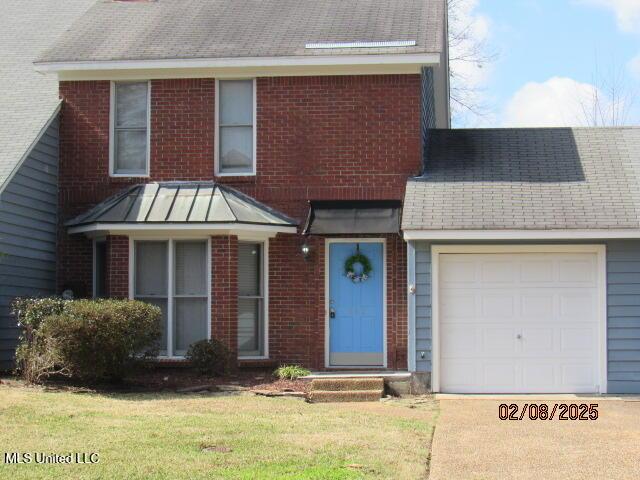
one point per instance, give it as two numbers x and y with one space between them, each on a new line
543 411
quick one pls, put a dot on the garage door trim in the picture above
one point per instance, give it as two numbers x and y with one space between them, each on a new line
599 250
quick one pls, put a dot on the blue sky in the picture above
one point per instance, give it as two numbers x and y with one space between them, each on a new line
551 54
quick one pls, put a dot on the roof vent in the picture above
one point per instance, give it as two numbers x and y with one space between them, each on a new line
384 44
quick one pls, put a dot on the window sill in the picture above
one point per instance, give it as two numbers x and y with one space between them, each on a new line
129 175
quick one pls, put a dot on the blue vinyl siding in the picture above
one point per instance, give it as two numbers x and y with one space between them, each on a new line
28 207
623 313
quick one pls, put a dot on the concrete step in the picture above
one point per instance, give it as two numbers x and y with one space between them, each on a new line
322 396
347 384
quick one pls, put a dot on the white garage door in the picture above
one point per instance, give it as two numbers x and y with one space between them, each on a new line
519 323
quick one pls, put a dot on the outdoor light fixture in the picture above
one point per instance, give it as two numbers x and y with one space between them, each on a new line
306 250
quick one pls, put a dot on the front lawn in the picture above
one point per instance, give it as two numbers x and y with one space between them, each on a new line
173 436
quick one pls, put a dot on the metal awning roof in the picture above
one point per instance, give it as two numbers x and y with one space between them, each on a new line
181 205
337 217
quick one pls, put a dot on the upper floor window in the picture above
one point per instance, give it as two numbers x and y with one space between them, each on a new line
235 120
129 133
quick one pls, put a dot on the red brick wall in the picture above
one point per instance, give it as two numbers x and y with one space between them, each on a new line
350 137
224 290
118 266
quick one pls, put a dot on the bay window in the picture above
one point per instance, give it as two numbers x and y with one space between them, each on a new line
173 274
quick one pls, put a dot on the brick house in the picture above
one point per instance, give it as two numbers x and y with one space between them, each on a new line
195 174
281 175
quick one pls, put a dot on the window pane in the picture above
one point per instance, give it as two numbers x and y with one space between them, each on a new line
190 323
249 269
236 102
249 327
236 149
162 303
151 269
100 276
191 268
130 151
131 104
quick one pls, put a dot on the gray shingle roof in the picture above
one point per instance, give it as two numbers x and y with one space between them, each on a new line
187 29
28 99
538 179
182 202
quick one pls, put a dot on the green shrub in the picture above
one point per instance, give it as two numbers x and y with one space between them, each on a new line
103 339
209 357
291 372
37 356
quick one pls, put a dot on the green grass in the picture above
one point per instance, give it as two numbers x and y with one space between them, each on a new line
162 436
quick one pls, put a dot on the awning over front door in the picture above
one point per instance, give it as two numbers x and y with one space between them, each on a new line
202 206
339 217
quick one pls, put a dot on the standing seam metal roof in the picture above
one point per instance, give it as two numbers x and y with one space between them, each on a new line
182 202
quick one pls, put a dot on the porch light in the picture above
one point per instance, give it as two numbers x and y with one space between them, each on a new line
306 250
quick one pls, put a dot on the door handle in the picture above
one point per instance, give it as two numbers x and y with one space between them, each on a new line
332 312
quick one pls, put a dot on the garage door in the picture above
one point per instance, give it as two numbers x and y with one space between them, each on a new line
519 323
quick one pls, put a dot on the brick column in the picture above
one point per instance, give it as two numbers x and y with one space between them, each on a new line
224 291
118 266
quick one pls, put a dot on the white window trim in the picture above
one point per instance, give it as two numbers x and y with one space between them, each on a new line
265 301
599 250
112 128
327 277
217 132
170 272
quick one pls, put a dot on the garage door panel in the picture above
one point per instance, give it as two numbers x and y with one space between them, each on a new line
580 377
536 271
498 304
462 339
499 377
460 374
538 341
519 322
535 305
578 305
540 377
577 270
458 304
499 341
577 341
459 272
497 271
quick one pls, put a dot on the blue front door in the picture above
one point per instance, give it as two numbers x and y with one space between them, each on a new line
356 308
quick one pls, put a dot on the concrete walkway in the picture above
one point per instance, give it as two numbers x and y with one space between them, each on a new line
471 442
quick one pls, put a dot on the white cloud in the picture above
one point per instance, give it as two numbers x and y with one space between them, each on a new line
558 102
627 12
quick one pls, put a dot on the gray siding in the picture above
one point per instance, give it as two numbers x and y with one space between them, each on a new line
423 307
623 313
623 317
28 207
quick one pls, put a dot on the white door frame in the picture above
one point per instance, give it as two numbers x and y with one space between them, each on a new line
327 344
599 250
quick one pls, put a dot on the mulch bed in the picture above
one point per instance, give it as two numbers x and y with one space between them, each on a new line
179 379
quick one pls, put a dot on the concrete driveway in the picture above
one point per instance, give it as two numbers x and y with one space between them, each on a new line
471 442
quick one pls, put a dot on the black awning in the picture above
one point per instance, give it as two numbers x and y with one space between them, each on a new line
338 217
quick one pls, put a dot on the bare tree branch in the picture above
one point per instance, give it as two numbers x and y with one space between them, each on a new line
468 54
